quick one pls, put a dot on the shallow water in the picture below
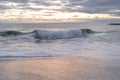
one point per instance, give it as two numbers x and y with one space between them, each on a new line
59 68
106 43
92 57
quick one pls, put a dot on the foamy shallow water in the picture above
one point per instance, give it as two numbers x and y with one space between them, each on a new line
87 57
106 44
59 68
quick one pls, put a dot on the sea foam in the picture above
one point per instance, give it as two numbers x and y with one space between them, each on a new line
44 34
47 35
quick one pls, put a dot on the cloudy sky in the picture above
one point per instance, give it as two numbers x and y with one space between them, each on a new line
58 10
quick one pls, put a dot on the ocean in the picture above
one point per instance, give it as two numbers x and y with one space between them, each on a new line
88 50
105 40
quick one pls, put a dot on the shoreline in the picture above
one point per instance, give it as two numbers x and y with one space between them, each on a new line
58 68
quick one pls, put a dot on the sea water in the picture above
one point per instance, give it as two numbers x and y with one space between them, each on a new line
103 44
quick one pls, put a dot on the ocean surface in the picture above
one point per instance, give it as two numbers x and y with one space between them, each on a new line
88 50
21 42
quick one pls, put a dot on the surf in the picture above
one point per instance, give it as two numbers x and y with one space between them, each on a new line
48 35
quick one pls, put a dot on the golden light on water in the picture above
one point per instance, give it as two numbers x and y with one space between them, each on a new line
45 69
54 69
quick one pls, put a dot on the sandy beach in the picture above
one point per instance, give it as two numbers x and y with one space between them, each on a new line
59 39
58 69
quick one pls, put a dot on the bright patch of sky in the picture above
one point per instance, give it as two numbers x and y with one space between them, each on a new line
58 10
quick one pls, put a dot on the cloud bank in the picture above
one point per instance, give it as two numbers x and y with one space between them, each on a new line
53 7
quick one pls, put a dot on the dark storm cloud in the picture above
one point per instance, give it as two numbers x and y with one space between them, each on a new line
94 6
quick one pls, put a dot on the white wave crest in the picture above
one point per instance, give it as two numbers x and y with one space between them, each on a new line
44 34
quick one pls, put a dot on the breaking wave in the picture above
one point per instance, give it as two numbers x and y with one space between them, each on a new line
43 43
43 34
48 35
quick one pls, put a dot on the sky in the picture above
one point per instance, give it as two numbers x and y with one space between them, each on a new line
57 10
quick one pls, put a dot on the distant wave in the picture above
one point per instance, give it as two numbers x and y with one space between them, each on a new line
47 35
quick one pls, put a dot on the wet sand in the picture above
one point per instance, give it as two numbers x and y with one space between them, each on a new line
58 68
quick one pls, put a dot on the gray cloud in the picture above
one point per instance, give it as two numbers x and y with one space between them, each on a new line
4 7
94 6
41 2
86 6
4 4
24 4
15 1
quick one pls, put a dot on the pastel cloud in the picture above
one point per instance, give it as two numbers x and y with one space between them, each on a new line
58 9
